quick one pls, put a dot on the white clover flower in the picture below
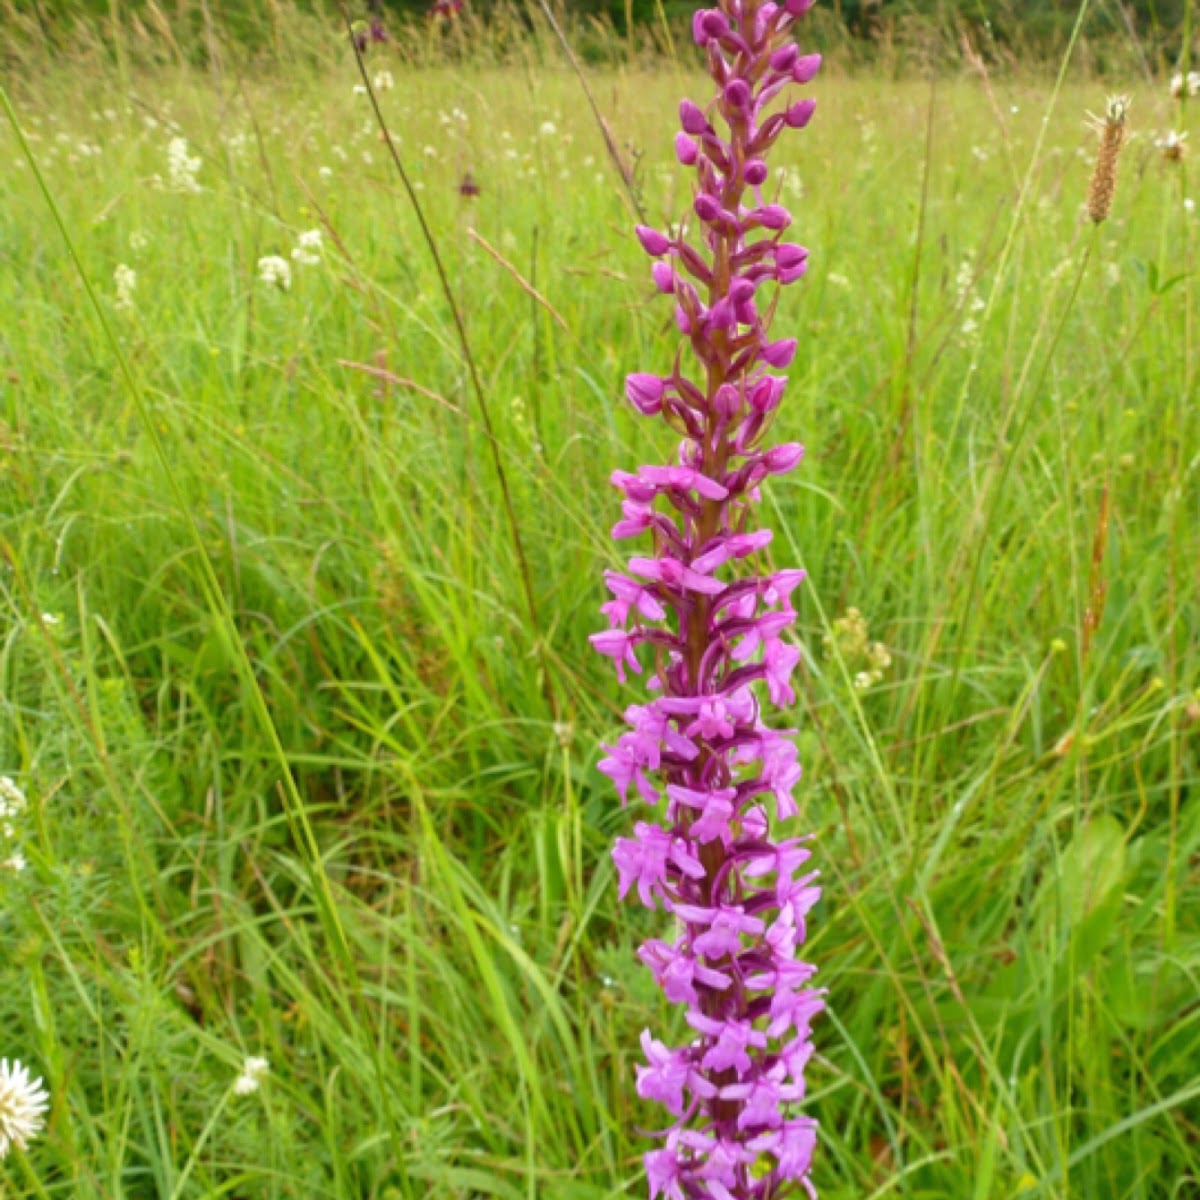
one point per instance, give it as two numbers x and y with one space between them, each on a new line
15 862
23 1104
254 1070
383 81
125 278
182 168
275 271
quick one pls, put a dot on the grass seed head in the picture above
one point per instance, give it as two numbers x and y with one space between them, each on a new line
1113 128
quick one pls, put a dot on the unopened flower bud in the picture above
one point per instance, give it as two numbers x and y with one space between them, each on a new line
805 69
692 118
664 277
686 150
780 354
791 261
799 114
653 242
780 460
772 216
785 58
709 24
645 393
755 172
738 95
707 208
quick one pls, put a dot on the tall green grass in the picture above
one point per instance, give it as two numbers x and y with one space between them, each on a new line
1000 411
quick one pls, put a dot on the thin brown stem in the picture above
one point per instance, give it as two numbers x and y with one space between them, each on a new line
472 370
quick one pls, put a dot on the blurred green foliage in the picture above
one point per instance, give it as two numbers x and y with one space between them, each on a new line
1029 23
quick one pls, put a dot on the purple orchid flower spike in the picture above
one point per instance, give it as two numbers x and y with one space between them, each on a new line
740 896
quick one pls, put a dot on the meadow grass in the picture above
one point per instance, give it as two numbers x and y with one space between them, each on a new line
307 782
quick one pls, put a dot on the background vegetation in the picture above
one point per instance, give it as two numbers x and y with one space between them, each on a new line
307 782
1026 28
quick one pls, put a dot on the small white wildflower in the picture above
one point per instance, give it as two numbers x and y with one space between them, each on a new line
368 157
838 280
254 1070
1172 146
863 680
383 81
275 271
182 168
1189 205
12 799
325 172
125 278
548 129
138 241
360 89
308 248
23 1104
1181 84
15 862
791 182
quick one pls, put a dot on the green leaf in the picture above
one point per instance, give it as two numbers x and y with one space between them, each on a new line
1091 872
